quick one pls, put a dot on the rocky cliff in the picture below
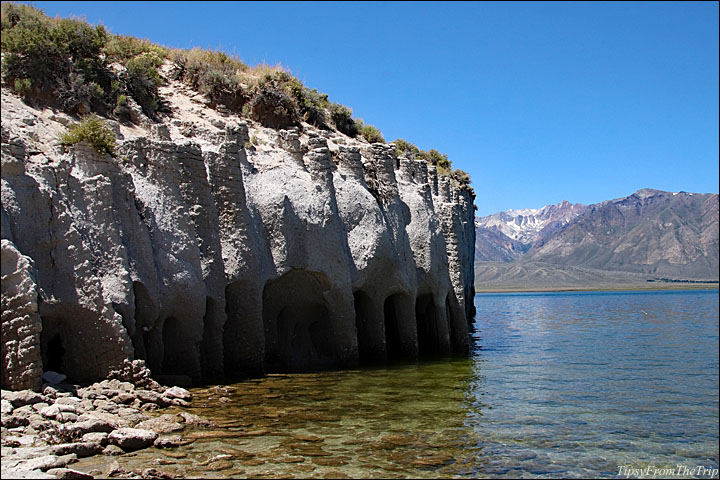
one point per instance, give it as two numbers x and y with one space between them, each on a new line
211 245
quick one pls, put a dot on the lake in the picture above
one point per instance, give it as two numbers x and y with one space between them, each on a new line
557 385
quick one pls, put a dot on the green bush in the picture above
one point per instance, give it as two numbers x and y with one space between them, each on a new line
341 116
311 104
142 80
93 130
47 50
405 147
271 105
212 73
461 177
372 134
436 158
22 86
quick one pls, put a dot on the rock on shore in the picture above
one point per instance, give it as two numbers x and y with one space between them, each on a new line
44 433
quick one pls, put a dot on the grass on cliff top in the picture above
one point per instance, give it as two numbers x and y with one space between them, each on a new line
69 64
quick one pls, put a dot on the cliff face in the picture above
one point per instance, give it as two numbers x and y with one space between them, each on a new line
206 253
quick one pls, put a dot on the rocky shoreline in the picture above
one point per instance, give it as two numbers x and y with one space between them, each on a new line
43 434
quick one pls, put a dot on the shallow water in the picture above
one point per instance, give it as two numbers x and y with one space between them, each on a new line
558 385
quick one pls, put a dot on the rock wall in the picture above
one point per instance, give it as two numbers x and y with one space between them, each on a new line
209 257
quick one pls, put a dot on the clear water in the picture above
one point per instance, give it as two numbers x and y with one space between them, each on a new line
558 385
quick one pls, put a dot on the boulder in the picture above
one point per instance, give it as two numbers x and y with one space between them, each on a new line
196 421
132 438
6 407
23 397
96 437
87 426
162 424
13 421
69 473
81 449
178 392
50 461
170 441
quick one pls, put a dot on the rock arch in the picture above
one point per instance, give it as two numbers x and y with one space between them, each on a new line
400 327
243 333
303 319
81 343
370 328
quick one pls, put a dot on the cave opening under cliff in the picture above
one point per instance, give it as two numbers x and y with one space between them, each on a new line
428 330
369 342
243 338
53 355
175 353
451 323
397 311
298 322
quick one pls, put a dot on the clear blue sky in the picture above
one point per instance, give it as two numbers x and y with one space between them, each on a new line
539 102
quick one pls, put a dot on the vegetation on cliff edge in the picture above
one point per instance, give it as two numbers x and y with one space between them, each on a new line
68 64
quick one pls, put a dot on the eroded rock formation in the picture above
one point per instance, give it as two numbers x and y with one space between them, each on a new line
215 255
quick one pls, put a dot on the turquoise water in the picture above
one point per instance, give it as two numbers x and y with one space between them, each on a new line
557 385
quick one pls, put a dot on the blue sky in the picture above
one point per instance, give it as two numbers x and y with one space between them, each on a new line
539 102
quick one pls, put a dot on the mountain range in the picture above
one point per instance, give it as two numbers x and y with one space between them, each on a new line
651 235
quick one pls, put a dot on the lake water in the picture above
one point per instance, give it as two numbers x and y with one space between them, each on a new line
557 385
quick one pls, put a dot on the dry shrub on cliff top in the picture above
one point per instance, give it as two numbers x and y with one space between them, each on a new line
405 147
372 134
94 131
342 118
213 73
65 62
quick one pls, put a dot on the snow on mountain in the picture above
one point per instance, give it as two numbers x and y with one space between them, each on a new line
525 225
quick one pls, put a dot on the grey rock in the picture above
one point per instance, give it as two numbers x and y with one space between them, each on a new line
178 392
21 324
50 461
75 401
23 397
66 417
59 409
196 421
125 398
148 396
113 450
132 415
38 407
81 449
14 421
69 473
87 426
96 437
132 438
6 407
162 424
171 441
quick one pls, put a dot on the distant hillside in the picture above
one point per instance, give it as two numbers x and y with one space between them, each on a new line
650 234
